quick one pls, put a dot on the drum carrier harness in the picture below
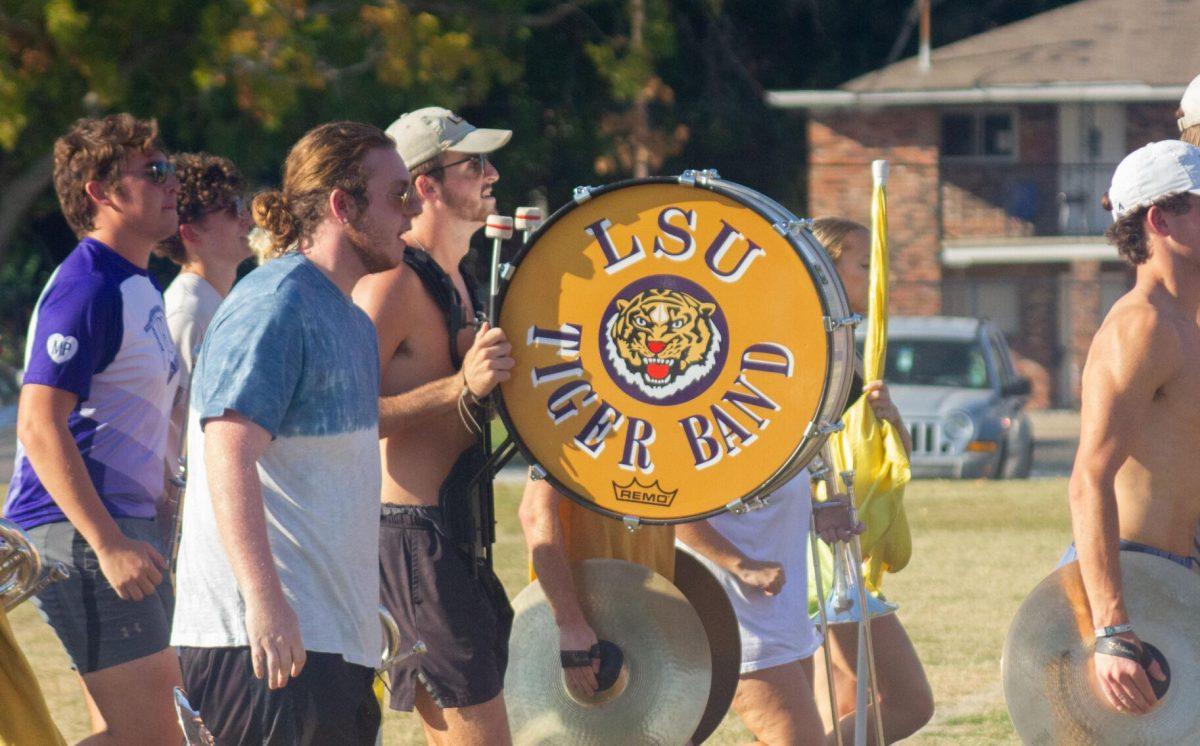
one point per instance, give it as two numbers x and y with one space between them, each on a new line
465 497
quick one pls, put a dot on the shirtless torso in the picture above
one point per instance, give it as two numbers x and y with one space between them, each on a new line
419 452
1135 474
1150 344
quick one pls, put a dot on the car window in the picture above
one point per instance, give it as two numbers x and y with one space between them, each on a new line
936 362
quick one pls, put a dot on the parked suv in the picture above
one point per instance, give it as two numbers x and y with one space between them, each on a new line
953 380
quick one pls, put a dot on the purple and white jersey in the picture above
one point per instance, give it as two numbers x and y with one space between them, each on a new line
98 331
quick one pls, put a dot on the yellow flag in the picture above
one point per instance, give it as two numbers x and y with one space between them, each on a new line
871 447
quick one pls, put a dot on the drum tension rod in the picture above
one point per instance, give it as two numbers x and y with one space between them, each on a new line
582 194
792 227
823 428
853 319
632 523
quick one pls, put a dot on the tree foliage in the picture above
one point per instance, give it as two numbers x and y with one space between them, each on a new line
591 88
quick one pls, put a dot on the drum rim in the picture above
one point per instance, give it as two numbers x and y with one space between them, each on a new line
809 445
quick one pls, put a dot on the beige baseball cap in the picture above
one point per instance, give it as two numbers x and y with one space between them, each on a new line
424 133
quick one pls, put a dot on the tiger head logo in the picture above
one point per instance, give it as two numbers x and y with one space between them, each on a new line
662 341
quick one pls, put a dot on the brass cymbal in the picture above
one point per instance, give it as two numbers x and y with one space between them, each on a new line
709 600
660 697
1047 667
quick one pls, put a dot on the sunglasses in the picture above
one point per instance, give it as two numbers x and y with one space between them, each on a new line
408 198
236 207
157 172
479 161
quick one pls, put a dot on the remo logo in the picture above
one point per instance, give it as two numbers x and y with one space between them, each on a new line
670 351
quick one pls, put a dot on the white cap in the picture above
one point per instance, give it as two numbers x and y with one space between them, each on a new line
425 133
1190 105
1152 172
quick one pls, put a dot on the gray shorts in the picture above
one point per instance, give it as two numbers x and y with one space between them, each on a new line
97 628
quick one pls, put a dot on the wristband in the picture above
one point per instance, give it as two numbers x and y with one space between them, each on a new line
1116 629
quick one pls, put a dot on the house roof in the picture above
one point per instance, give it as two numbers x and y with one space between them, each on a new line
1092 50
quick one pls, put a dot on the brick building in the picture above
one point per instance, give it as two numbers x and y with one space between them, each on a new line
1000 149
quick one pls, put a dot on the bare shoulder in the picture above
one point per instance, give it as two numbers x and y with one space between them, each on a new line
1138 338
381 293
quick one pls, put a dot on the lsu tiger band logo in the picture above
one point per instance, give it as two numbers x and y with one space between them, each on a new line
654 346
666 342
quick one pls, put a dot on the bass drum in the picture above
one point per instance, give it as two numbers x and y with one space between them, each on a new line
682 346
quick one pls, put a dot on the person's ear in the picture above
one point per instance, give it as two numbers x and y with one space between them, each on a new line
342 206
1156 220
98 192
188 233
427 186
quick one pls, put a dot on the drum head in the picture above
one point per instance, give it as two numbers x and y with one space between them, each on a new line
671 348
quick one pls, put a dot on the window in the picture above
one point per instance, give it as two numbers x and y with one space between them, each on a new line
979 134
936 362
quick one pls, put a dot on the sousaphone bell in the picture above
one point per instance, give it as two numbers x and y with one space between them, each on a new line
22 572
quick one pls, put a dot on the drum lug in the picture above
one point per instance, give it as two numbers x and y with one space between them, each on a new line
792 227
506 271
823 428
632 523
853 319
582 194
537 473
741 506
692 177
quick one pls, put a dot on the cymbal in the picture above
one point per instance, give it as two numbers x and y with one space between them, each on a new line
660 696
1049 681
709 600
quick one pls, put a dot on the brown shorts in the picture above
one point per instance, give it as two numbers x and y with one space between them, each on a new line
428 585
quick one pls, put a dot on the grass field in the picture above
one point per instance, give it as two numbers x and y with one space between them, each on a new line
978 548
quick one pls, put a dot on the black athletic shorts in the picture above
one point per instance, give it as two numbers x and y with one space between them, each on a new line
427 584
330 702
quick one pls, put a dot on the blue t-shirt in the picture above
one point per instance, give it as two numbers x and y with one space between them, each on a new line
289 351
99 331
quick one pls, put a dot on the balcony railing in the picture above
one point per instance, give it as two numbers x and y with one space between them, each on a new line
1011 200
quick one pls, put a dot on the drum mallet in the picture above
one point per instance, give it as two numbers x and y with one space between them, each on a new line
527 220
497 228
866 650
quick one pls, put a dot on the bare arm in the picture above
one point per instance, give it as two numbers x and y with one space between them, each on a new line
700 536
547 545
232 447
387 298
1132 355
133 568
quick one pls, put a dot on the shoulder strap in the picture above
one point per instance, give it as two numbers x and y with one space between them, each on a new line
441 289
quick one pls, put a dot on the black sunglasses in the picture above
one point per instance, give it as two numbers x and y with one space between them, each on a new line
236 207
157 172
480 160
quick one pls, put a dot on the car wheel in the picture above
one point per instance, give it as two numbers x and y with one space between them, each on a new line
1018 461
